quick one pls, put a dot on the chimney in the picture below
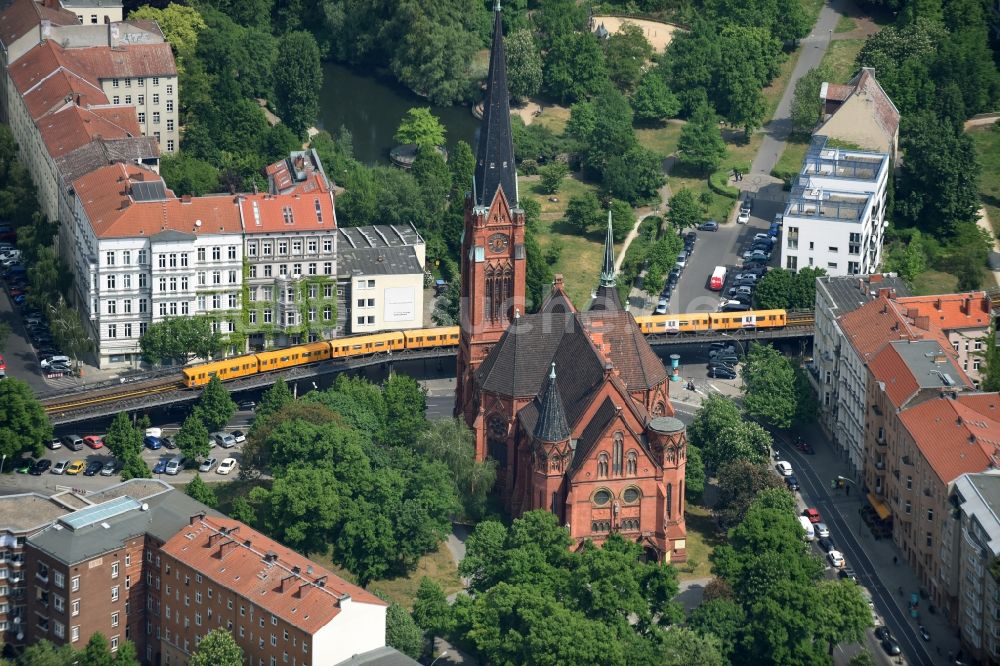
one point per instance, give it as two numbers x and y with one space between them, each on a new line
186 198
215 538
967 305
557 280
875 279
940 359
288 582
885 292
937 304
861 285
197 518
304 590
227 547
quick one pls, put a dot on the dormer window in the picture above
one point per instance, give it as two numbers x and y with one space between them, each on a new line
286 212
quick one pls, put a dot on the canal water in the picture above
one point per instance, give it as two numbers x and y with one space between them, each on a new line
372 108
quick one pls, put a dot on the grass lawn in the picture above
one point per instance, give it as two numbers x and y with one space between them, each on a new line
791 158
580 261
702 538
661 140
841 56
812 8
846 24
553 117
935 282
773 93
987 142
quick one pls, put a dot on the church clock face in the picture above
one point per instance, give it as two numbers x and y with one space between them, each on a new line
498 243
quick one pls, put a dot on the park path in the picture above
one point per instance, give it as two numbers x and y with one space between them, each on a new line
983 222
643 213
813 49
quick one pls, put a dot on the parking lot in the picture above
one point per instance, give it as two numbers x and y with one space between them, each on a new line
721 248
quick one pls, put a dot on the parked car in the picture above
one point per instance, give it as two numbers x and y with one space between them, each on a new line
152 443
226 466
73 442
207 465
847 573
225 440
792 482
882 633
728 358
661 306
175 466
54 443
94 441
744 215
784 467
247 406
682 260
924 634
76 467
46 362
40 467
109 468
154 432
836 559
691 237
711 225
160 466
59 467
721 372
93 467
826 544
822 530
890 646
168 443
24 465
721 349
813 515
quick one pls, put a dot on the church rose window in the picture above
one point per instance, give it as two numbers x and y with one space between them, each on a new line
602 497
631 495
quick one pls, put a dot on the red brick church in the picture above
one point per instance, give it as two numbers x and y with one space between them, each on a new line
574 405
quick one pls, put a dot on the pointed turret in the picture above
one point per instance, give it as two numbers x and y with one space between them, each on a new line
551 425
495 151
606 296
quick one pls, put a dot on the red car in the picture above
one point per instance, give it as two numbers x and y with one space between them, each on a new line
812 515
94 442
3 366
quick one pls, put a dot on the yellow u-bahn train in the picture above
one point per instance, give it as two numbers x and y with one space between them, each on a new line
448 336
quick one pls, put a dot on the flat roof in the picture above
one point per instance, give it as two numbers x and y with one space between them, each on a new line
849 292
383 235
28 511
930 365
823 204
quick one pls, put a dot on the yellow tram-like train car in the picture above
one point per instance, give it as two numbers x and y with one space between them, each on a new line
690 322
362 345
290 357
230 368
729 321
430 338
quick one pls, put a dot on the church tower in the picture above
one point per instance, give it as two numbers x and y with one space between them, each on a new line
493 255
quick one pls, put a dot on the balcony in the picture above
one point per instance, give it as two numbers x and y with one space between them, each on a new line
880 465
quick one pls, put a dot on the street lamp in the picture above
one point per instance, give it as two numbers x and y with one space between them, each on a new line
443 654
2 461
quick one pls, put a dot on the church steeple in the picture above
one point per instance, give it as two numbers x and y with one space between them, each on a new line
495 151
551 425
608 270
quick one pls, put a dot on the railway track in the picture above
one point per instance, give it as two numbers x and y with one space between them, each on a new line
63 404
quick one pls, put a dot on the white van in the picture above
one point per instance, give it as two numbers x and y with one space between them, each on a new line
808 527
175 466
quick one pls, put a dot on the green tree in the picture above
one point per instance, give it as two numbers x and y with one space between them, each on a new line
67 329
803 291
685 210
192 439
421 128
806 104
243 511
97 651
746 441
431 610
740 481
744 102
806 404
524 65
215 406
302 508
652 100
297 88
715 414
700 145
126 655
844 612
201 492
134 467
583 212
189 175
451 442
611 133
626 53
552 175
402 633
181 25
558 18
991 359
774 290
863 658
574 67
433 58
434 178
177 339
24 425
123 438
406 403
622 219
694 474
635 175
273 400
768 386
462 163
722 618
217 648
680 646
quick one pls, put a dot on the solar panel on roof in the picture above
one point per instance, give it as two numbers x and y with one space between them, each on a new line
149 191
96 514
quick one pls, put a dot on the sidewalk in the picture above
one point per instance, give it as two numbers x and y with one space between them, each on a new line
827 464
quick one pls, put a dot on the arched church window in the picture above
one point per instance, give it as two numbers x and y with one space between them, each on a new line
602 466
631 463
488 292
670 500
659 409
617 451
602 497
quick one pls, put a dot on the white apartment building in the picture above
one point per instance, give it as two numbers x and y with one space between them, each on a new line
291 250
835 216
970 546
381 276
143 255
93 12
838 370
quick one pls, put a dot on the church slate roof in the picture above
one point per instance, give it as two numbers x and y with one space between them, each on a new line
630 353
606 299
591 435
551 425
495 150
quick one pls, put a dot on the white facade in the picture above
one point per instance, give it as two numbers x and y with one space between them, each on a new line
125 284
386 302
155 102
835 216
94 12
358 628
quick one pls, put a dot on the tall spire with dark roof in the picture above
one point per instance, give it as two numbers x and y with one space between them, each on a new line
608 271
495 151
551 425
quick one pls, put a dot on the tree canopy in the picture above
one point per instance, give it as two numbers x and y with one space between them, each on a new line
178 339
24 425
421 128
769 386
217 648
215 406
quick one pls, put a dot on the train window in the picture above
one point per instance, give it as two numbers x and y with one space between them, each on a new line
284 359
431 338
235 368
211 374
419 339
379 344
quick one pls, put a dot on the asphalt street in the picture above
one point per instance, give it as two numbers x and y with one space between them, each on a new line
845 528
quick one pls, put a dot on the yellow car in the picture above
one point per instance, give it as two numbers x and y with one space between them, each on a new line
76 467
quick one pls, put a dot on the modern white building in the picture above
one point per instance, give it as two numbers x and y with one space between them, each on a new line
144 255
381 276
835 216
